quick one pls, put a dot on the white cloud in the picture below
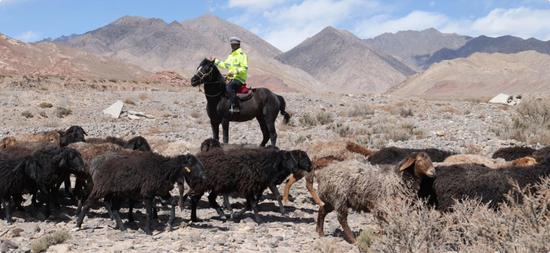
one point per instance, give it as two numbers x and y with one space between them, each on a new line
254 4
416 20
289 25
28 36
521 22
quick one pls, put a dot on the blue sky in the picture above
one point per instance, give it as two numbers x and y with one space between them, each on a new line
285 23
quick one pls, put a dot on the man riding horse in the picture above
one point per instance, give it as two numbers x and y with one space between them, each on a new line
237 66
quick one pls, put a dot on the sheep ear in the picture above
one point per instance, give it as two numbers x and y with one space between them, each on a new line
407 163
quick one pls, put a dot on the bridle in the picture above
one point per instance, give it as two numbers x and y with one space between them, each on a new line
202 75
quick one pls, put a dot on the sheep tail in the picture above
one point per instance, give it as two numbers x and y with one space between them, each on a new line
356 148
282 108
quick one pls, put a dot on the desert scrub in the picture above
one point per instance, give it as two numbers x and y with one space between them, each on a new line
44 242
360 111
321 118
27 114
45 105
520 225
530 123
129 101
62 112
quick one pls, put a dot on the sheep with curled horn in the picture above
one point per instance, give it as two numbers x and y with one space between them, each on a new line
139 176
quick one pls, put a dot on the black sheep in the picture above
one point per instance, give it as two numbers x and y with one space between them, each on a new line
470 181
55 165
140 176
542 154
513 153
71 135
136 143
394 155
246 173
13 182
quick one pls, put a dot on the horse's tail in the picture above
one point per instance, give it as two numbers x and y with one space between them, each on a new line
282 108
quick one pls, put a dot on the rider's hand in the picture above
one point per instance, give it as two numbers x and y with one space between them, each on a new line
230 75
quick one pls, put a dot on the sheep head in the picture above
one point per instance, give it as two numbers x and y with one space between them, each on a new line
69 159
8 142
71 135
302 158
138 143
210 144
420 164
524 161
192 169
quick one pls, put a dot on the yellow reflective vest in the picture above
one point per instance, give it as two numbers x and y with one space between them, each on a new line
236 64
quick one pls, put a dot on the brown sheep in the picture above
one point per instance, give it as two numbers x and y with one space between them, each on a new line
486 161
326 153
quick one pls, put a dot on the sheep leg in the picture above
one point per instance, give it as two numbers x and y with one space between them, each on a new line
182 197
6 206
194 202
149 219
343 219
89 202
174 202
212 201
225 127
291 180
130 214
265 132
275 191
67 186
312 192
115 205
227 205
254 206
322 213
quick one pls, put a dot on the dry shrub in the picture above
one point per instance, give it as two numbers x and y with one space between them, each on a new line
45 105
321 118
143 96
520 225
195 114
129 101
43 243
530 123
62 112
360 111
27 114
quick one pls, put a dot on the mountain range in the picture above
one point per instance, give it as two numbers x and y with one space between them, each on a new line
334 60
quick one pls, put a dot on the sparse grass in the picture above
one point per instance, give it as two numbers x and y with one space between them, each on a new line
360 111
45 105
411 226
43 114
195 115
129 101
62 112
530 123
27 114
406 112
321 118
42 244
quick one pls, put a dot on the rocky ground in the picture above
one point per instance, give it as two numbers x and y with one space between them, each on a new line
180 124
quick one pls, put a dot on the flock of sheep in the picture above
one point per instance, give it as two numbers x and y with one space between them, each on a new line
120 172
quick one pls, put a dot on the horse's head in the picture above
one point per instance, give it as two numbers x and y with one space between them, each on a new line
204 72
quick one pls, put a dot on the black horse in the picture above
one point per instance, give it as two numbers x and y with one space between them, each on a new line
263 105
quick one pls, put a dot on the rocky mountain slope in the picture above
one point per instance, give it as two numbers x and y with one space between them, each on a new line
344 63
156 45
415 47
482 75
484 44
48 59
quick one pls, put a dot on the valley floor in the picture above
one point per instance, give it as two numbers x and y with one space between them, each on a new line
181 124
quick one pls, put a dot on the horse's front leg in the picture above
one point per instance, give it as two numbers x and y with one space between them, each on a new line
225 126
215 129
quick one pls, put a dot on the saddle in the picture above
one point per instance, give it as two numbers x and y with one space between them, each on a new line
245 93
